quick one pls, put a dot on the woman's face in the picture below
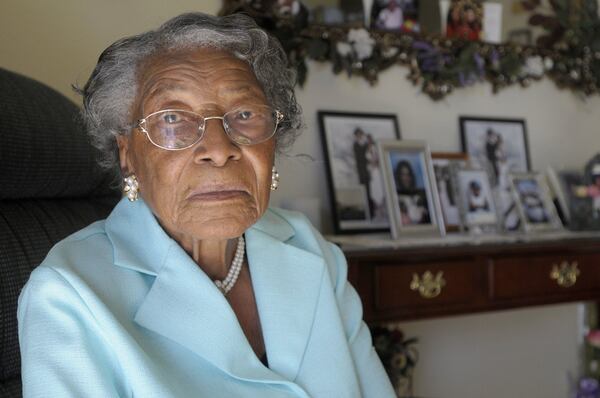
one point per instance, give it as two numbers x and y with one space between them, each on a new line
406 177
216 189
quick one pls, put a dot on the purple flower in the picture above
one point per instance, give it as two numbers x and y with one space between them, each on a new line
588 388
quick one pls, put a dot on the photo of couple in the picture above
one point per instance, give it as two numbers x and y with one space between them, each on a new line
355 174
369 173
500 147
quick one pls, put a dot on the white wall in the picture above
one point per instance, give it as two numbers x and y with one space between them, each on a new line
509 354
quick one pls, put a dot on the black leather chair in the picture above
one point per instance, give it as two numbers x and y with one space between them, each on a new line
50 187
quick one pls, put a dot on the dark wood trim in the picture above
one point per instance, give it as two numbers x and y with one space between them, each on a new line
478 277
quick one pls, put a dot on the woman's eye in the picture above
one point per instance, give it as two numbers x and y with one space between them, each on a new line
245 115
171 118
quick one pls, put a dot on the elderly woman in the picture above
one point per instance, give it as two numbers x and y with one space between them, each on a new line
192 287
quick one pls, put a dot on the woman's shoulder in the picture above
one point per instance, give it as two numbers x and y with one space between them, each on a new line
91 239
68 258
290 226
300 233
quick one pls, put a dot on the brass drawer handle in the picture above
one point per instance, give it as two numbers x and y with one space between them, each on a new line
565 274
428 286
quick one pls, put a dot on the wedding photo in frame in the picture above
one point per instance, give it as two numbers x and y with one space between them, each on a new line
354 173
476 200
444 167
500 146
534 202
412 196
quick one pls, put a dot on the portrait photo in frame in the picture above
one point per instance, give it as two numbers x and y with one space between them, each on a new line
534 202
444 166
476 200
395 15
412 195
354 173
500 146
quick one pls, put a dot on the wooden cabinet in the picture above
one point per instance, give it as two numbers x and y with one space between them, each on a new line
413 283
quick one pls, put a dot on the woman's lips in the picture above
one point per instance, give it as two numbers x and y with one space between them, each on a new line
221 193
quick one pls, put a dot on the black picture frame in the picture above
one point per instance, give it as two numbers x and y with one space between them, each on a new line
514 157
358 202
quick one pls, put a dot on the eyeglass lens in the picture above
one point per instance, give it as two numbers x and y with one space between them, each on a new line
178 129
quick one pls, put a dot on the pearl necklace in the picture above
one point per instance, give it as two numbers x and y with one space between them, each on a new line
234 270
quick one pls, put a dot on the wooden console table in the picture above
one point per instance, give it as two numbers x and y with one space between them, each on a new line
434 280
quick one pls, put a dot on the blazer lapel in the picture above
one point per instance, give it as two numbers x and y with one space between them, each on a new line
287 281
183 304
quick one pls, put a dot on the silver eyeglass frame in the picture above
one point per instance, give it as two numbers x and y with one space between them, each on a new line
141 122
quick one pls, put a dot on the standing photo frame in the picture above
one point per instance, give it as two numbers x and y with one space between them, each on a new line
444 168
476 199
355 178
412 196
500 146
534 202
562 184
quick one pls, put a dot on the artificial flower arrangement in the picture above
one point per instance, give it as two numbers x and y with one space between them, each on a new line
398 355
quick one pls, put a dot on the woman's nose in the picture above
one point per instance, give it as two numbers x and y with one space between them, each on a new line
215 146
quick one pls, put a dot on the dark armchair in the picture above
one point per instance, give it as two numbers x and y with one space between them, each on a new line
50 187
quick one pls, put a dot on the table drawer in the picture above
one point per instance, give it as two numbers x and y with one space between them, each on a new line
517 277
429 284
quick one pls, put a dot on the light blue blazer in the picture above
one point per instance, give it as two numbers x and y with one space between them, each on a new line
119 309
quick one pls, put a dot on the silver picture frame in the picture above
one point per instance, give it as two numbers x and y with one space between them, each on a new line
412 196
533 198
477 201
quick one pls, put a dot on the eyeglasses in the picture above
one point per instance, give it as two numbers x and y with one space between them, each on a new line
176 129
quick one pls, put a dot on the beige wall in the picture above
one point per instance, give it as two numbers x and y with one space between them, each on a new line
59 41
500 355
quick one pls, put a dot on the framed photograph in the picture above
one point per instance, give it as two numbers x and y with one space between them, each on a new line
464 20
444 166
522 37
582 196
534 202
412 197
336 12
499 146
395 15
356 183
561 185
476 200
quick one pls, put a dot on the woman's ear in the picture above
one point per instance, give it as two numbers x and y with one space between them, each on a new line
124 155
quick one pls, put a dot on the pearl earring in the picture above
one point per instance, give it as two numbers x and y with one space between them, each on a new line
131 187
274 179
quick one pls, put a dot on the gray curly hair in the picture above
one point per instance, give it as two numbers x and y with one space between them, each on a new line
111 89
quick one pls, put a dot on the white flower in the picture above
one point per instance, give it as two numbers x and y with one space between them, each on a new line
390 52
343 48
362 42
534 66
574 75
548 63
